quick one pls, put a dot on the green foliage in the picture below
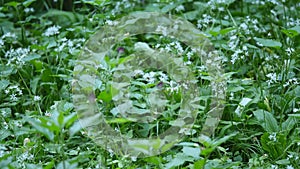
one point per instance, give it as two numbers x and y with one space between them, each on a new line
258 44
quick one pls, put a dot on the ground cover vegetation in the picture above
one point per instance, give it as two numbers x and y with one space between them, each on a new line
258 43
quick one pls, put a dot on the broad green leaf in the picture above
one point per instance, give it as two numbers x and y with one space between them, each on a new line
3 84
41 128
290 33
178 160
66 164
31 57
34 83
13 4
76 127
226 30
69 120
283 162
169 7
191 15
266 120
289 124
4 134
192 151
268 42
6 70
118 120
219 141
294 115
28 3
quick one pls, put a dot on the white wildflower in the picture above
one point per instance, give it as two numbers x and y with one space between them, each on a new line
272 137
179 8
289 167
162 30
173 86
54 30
138 72
27 10
149 77
9 35
13 97
36 98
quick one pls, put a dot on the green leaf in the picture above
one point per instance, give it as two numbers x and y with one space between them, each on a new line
4 134
283 162
34 83
169 7
219 141
294 115
69 120
191 15
41 128
290 33
268 42
3 84
192 151
6 70
28 3
266 120
178 160
118 121
13 4
226 30
31 57
289 124
76 127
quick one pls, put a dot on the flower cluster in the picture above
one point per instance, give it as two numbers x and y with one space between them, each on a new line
16 56
54 30
14 92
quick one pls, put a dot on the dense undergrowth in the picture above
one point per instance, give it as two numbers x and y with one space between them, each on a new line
258 42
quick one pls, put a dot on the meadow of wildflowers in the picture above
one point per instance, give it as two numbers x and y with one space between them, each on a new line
258 46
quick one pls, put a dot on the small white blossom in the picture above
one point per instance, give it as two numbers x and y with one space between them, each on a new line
272 78
162 30
138 72
290 51
179 8
173 86
48 114
9 35
54 30
36 98
149 77
272 137
13 97
27 10
163 77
